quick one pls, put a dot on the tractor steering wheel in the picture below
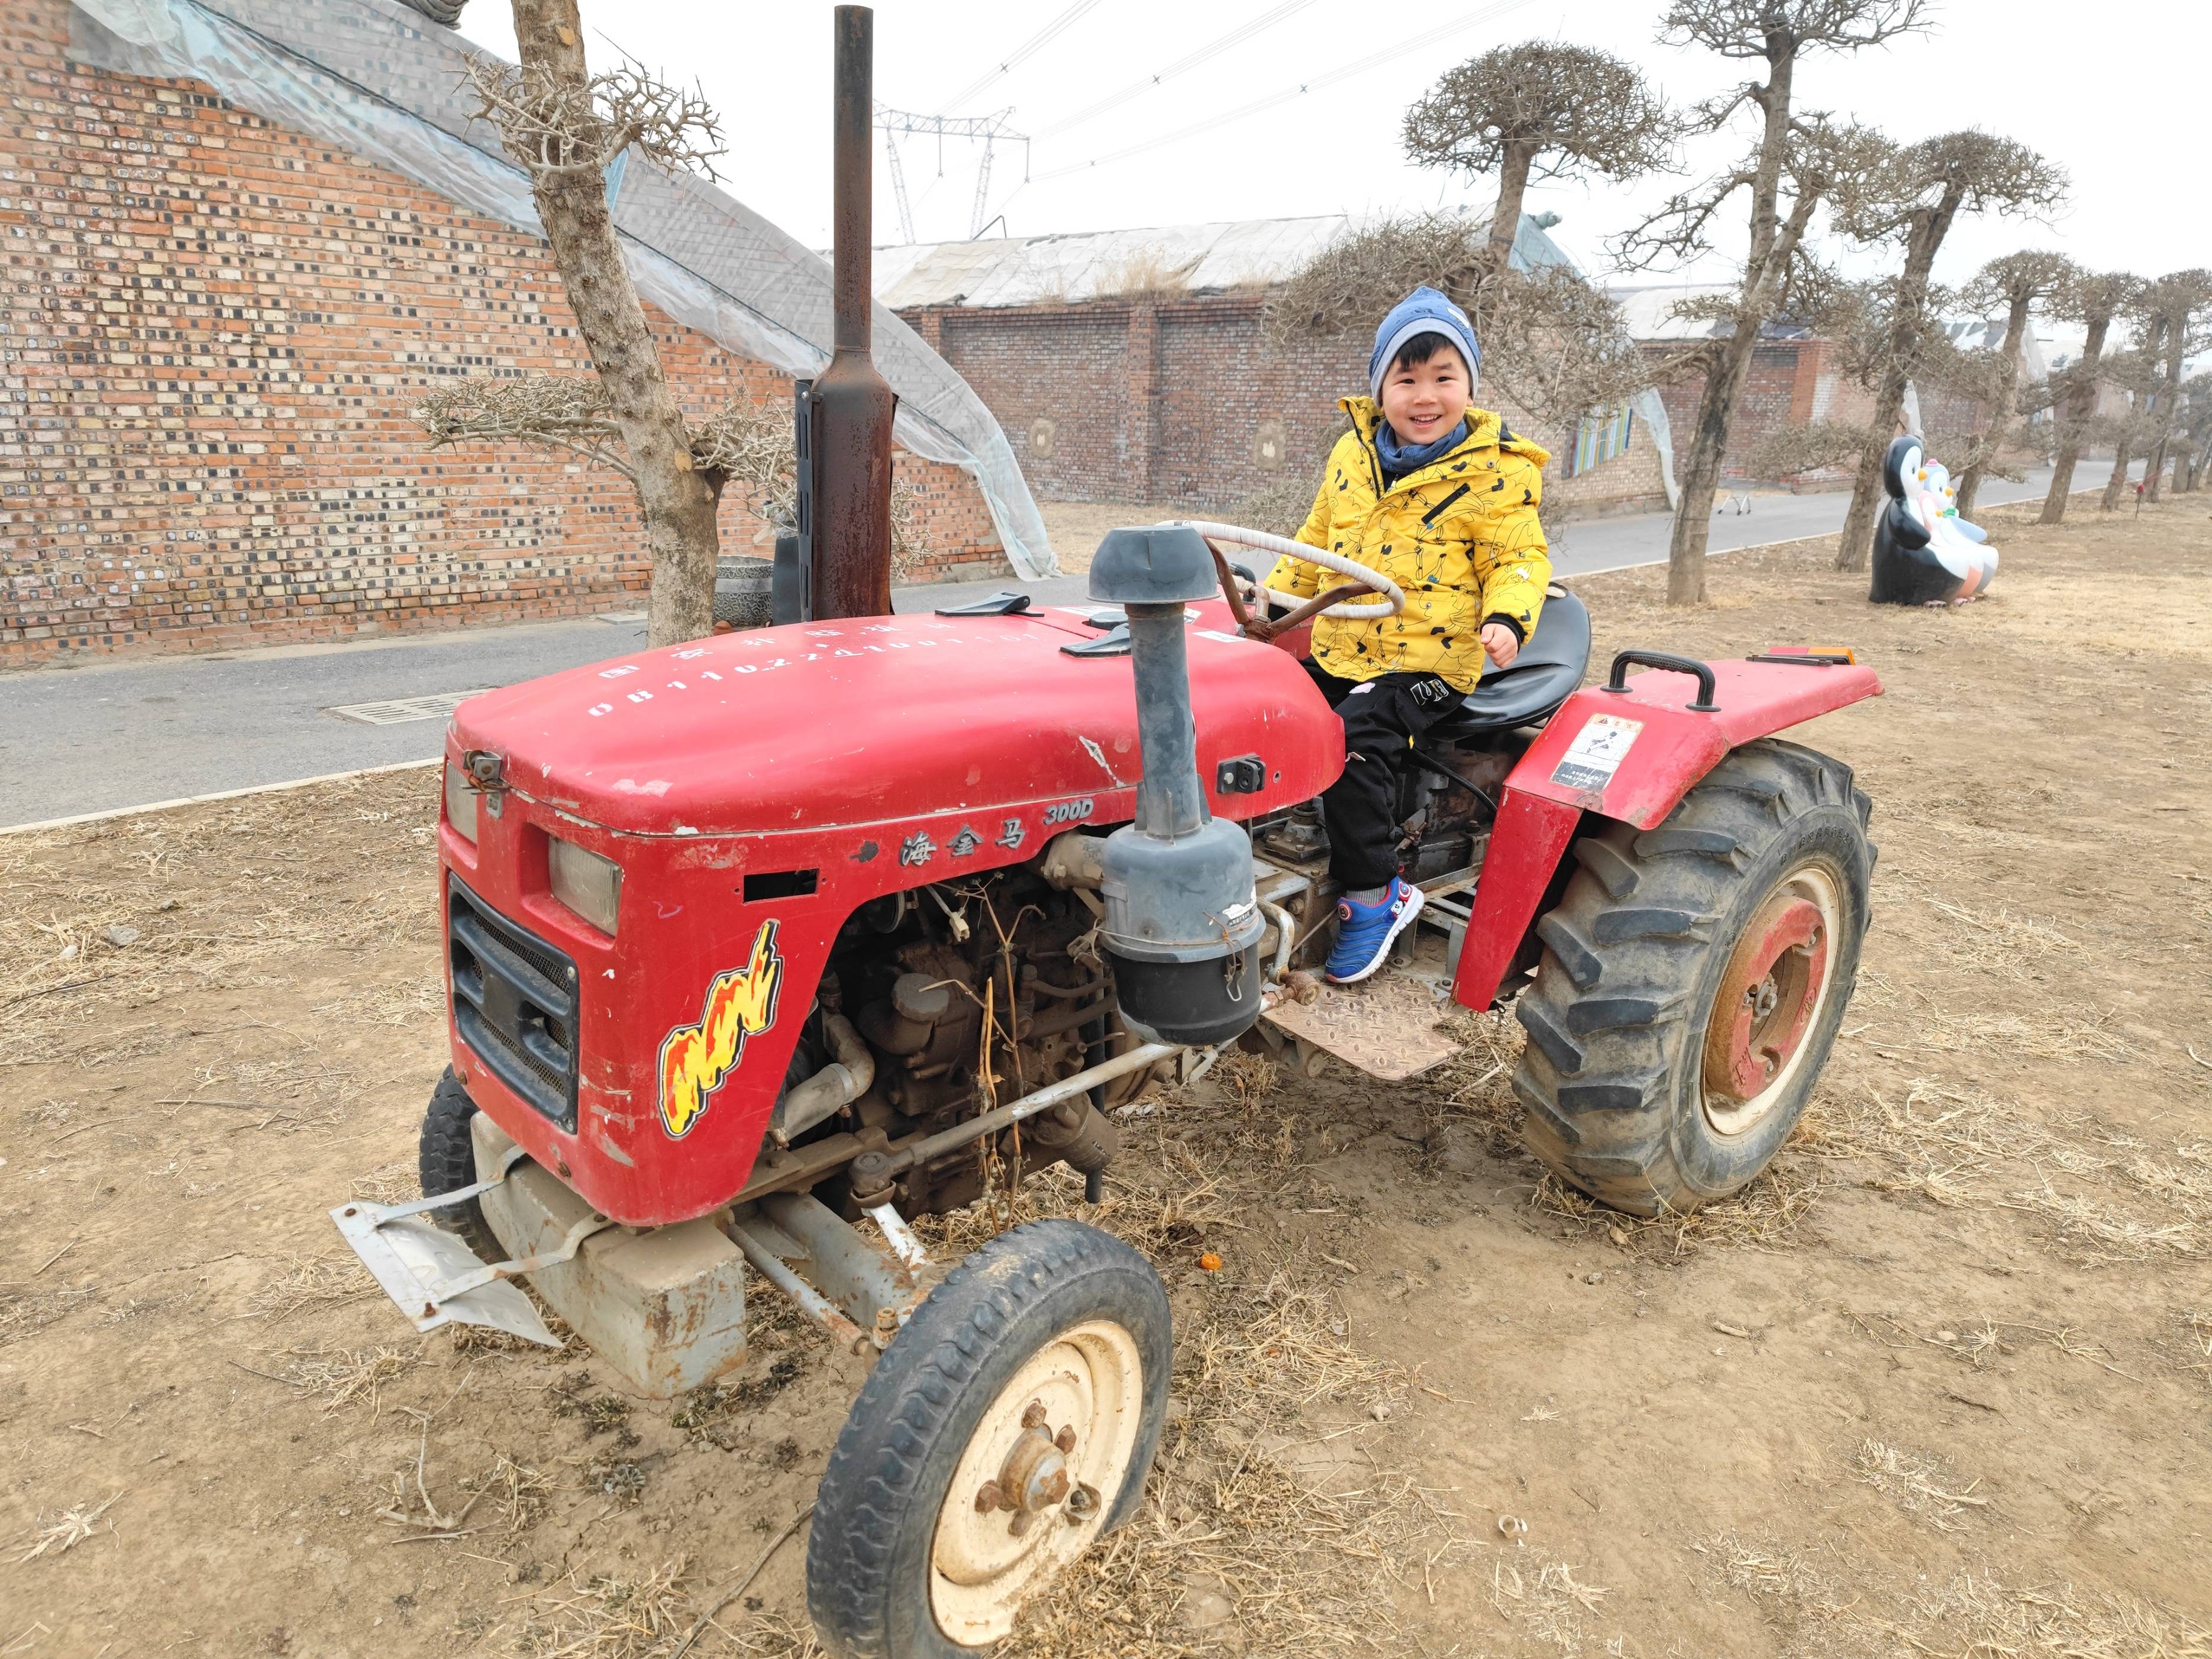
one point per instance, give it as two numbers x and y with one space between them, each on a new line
1389 602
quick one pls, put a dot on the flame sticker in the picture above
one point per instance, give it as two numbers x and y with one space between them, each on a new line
695 1060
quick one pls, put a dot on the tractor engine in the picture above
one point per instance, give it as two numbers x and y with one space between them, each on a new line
917 976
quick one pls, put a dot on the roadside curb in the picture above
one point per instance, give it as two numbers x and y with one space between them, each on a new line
220 795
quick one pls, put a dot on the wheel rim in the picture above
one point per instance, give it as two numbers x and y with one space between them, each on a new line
1770 1000
1026 1498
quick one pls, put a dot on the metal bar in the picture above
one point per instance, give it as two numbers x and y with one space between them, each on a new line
899 1236
384 1213
854 105
854 405
1028 1105
446 1290
810 1301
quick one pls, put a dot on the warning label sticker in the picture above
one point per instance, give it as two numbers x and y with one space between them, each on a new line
1597 753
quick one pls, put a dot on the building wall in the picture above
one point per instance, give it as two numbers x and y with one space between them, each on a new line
1181 400
211 331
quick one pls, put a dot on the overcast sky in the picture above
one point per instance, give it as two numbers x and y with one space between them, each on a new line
2104 91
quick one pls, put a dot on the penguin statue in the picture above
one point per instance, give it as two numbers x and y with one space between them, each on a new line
1923 552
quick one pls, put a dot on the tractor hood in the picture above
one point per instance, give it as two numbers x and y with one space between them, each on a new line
818 725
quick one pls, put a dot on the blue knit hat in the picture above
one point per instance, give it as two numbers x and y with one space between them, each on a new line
1424 311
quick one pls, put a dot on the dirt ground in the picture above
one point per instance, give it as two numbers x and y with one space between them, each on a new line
1941 1383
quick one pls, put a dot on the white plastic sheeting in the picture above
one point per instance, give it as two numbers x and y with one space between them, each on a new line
376 79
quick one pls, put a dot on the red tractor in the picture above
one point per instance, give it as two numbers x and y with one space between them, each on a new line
758 947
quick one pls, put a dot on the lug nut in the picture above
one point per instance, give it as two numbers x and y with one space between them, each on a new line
988 1498
1034 1417
1065 1440
1082 1502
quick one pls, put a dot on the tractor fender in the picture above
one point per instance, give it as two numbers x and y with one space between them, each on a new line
1630 753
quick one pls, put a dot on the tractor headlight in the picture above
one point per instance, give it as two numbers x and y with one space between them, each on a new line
460 802
587 883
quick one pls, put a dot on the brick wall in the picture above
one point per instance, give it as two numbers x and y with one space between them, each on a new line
211 329
1181 400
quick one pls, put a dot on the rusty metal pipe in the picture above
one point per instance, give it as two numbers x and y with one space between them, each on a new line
853 404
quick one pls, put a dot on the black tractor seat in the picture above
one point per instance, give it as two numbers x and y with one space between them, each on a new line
1548 670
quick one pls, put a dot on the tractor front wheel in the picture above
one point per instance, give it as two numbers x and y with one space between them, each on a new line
445 1157
1010 1424
1693 981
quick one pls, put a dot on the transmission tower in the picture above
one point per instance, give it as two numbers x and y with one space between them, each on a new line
991 129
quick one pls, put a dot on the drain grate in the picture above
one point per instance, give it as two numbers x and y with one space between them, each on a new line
400 710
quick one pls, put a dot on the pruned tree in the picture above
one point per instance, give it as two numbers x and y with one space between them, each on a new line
2193 428
2016 283
2091 299
563 125
1935 181
1797 165
743 446
1542 109
1553 345
2178 302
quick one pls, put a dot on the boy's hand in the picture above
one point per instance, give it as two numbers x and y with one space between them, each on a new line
1499 644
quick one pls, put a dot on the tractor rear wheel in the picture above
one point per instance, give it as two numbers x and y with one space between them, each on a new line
1693 981
446 1156
1009 1423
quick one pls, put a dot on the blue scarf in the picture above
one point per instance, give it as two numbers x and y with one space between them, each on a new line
1399 460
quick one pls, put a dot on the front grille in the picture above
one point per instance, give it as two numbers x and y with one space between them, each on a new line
514 1003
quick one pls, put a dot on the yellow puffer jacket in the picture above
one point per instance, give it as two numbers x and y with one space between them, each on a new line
1460 535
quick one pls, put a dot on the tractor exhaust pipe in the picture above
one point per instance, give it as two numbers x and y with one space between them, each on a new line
1182 925
847 533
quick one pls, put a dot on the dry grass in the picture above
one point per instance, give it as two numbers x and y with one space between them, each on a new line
1769 1214
67 1530
1550 1608
1962 1148
399 1181
339 1378
606 1616
211 897
320 1281
520 1492
1142 271
1922 1485
1978 1617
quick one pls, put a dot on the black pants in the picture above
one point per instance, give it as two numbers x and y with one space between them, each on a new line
1381 718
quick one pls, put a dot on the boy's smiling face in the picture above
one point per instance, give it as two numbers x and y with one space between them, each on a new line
1424 400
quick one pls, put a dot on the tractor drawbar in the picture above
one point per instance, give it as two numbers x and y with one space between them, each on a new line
1182 924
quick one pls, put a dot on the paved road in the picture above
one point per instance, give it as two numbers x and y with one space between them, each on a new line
101 737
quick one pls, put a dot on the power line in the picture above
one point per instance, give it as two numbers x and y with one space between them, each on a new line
1029 48
1214 48
1360 66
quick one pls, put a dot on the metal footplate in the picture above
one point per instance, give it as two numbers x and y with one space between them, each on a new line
436 1279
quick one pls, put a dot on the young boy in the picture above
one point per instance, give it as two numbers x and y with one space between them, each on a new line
1437 496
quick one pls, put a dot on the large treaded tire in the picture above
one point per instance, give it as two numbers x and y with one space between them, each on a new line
1634 956
445 1157
868 1555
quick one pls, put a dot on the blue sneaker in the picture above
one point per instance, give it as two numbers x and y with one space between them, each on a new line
1364 932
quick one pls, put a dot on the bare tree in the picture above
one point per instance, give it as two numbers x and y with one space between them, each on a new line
1936 181
2179 300
2017 282
1542 109
563 125
1798 164
2091 299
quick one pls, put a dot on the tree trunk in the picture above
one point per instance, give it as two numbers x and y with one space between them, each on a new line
1772 241
1856 546
1512 189
2177 330
675 499
2073 420
2118 482
2015 323
1701 473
